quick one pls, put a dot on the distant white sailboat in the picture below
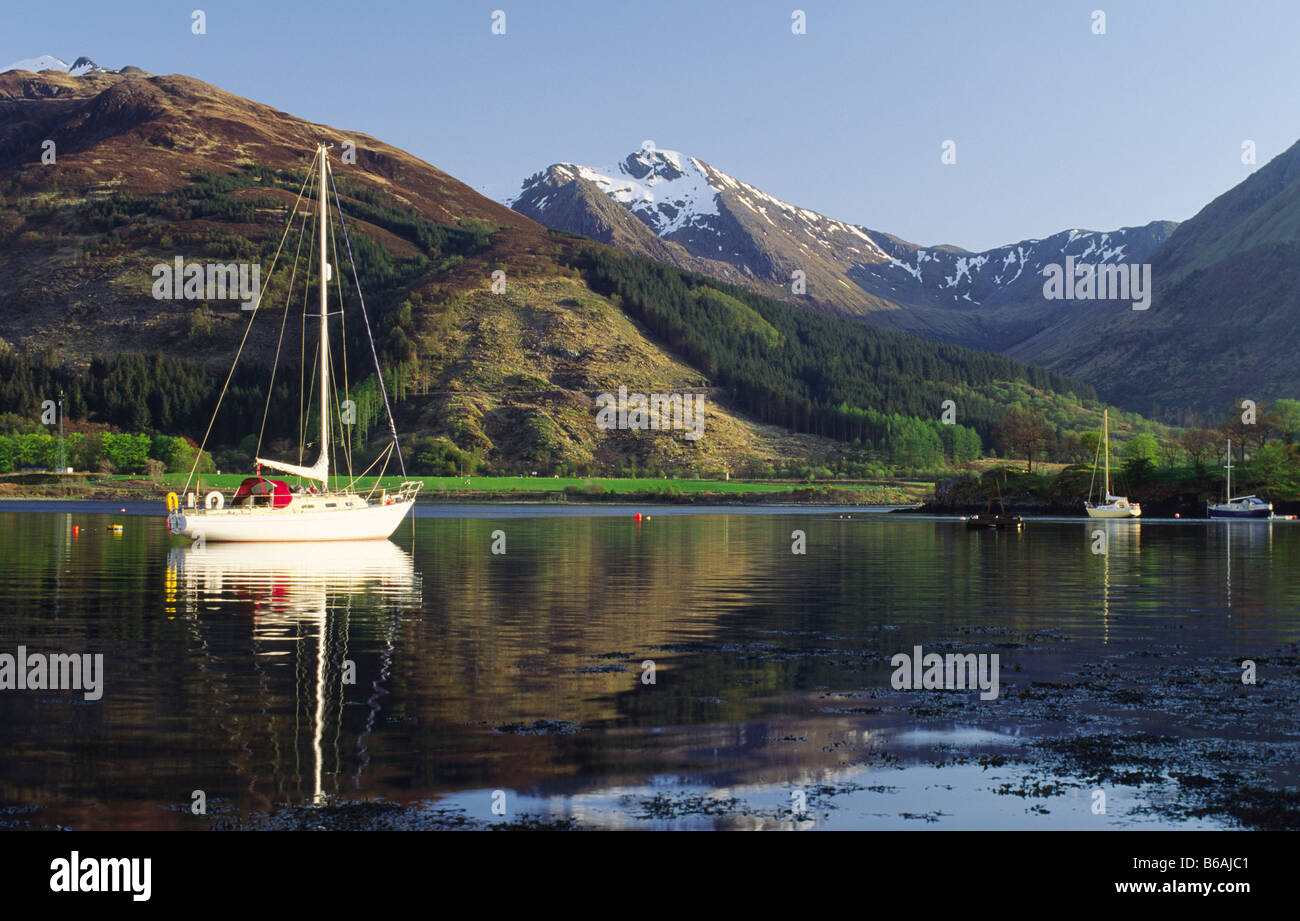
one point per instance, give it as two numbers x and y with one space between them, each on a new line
1110 506
1242 506
264 509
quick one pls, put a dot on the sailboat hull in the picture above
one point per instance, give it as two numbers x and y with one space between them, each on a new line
372 522
1218 511
1104 511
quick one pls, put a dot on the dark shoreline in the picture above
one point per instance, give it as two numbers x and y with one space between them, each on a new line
807 496
1157 509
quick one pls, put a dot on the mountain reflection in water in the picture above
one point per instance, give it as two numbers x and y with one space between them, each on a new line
428 670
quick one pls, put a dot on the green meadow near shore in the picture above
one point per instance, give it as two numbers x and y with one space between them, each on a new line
476 488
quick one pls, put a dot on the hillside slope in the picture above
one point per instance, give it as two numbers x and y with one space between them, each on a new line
151 168
1223 323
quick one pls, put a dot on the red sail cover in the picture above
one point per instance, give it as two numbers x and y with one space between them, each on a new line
278 490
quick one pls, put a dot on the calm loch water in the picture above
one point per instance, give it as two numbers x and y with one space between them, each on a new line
686 671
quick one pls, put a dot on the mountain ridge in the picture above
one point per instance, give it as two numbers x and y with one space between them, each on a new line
680 209
1222 325
79 67
1218 326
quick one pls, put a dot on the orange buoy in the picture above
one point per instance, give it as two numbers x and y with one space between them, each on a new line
637 516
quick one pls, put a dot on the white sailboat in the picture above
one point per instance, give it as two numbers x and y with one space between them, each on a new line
263 509
1110 506
1242 506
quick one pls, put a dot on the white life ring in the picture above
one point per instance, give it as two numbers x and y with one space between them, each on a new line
214 499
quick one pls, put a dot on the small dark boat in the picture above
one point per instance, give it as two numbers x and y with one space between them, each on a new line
1242 506
986 520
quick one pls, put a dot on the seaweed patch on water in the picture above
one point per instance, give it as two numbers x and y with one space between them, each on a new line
383 815
819 799
934 704
1246 804
13 817
1183 770
867 711
541 728
985 761
1104 758
670 806
1031 787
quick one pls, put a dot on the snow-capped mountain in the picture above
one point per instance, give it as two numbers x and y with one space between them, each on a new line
78 68
680 209
680 198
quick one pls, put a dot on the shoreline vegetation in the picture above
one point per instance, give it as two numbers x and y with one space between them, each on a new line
1175 492
558 490
1051 490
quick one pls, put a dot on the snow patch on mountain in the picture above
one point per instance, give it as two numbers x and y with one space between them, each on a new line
979 277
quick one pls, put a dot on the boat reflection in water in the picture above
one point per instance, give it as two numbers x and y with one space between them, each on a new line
1106 536
1255 536
303 605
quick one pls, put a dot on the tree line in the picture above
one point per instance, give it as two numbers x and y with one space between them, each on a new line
801 369
1265 441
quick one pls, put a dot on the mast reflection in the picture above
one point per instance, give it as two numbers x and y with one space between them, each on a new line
300 599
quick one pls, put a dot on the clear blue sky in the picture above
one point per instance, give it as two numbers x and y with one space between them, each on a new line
1055 127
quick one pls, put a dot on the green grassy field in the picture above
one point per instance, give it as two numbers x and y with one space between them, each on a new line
490 489
535 485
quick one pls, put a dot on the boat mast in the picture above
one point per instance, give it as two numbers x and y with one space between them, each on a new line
1229 497
1105 425
324 332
